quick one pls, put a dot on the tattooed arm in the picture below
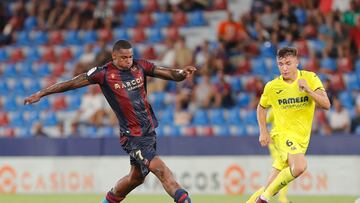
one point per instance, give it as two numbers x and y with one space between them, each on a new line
77 82
175 74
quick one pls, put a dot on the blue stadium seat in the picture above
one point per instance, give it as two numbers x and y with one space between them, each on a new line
31 117
129 20
40 38
243 100
43 104
238 130
258 66
121 33
352 81
200 118
17 119
267 49
72 37
23 131
135 6
73 102
317 45
250 118
357 67
33 55
10 103
4 89
235 83
3 55
301 15
167 117
33 86
155 35
221 130
196 18
10 71
328 63
30 23
171 130
233 117
106 131
25 69
345 98
89 37
49 119
43 70
23 38
19 88
162 19
216 116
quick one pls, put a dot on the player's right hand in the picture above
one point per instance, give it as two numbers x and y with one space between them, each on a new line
264 138
32 98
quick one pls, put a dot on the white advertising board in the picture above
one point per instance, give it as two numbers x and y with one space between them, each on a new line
326 175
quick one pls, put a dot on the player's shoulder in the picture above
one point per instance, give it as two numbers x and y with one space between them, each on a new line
96 69
308 74
143 63
273 82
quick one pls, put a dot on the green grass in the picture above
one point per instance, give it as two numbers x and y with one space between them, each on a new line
56 198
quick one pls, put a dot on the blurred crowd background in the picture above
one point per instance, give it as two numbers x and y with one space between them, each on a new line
233 43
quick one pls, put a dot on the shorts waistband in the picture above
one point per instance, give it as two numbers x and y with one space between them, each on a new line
150 134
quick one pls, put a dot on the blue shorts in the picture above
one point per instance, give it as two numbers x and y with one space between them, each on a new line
141 150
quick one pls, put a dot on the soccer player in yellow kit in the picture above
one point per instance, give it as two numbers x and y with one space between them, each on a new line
292 97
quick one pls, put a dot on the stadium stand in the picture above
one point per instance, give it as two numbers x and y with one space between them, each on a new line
41 46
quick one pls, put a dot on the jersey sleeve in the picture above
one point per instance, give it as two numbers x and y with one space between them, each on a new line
96 75
147 66
315 82
265 97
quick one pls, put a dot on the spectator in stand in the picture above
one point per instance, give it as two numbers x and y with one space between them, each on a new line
355 34
86 60
203 56
339 118
38 130
183 55
203 94
92 107
223 93
269 17
230 32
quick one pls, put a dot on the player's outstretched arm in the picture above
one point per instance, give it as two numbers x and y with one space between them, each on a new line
77 82
175 74
264 137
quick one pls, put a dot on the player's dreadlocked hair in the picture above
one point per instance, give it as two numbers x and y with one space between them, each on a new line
121 44
287 51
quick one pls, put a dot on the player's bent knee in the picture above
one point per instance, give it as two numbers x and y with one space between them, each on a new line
297 170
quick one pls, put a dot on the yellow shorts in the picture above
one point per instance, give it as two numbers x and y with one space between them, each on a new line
282 146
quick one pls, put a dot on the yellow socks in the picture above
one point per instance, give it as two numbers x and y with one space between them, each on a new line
282 179
253 197
283 194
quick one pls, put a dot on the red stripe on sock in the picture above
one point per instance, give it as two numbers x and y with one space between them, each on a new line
183 197
113 199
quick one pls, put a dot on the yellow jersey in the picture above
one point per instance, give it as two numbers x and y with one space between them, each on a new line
293 109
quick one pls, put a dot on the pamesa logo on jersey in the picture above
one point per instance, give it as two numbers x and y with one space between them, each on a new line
295 100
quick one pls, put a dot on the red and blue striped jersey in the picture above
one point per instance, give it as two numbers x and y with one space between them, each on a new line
125 90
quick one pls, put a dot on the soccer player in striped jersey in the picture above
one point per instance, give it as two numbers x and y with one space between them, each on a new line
123 83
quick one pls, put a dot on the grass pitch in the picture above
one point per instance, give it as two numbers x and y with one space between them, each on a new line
91 198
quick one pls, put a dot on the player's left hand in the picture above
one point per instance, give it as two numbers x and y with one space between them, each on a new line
189 70
32 98
303 85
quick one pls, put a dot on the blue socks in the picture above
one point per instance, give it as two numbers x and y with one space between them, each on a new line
181 196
